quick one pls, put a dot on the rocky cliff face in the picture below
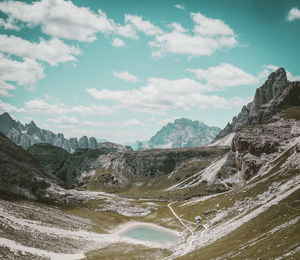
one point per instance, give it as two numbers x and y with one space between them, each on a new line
268 126
276 94
30 134
259 144
182 133
69 167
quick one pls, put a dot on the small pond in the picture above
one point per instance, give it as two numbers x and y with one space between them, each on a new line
151 234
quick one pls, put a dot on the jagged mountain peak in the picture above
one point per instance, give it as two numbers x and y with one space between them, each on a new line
274 95
5 115
181 133
29 134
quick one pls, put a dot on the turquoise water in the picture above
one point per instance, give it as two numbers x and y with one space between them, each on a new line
150 234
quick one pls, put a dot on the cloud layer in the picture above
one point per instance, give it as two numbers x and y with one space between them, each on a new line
160 95
224 75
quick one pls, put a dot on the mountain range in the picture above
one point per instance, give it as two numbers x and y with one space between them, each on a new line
182 133
29 134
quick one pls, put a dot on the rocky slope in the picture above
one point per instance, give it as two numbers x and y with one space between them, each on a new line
276 94
22 176
182 133
20 173
30 134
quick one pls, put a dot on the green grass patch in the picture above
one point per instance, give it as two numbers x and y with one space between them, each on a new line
269 246
291 113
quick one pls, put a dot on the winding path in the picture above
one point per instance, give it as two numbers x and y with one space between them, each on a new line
180 219
189 240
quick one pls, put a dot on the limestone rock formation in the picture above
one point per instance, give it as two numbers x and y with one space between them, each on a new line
255 145
73 143
275 94
93 143
83 142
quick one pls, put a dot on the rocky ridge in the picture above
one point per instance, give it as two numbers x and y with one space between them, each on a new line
30 134
276 94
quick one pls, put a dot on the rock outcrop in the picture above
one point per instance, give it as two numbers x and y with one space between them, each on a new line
258 144
276 94
69 167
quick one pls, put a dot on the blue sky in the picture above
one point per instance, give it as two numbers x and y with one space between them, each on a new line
120 70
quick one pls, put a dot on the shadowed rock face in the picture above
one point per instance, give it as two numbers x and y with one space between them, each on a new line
20 173
50 157
275 94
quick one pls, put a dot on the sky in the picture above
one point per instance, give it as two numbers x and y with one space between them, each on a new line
120 70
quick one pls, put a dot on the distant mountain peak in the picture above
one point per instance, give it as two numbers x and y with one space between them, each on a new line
181 133
5 115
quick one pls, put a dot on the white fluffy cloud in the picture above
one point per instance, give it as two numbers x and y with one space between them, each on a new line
224 75
63 19
26 73
209 26
181 7
53 51
141 25
160 95
209 36
40 106
293 14
125 75
117 42
9 24
4 88
60 18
